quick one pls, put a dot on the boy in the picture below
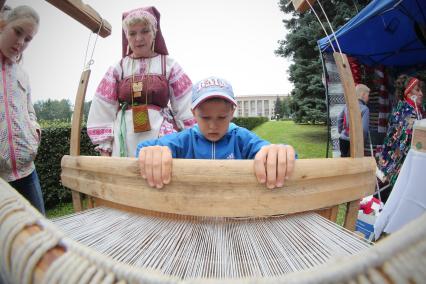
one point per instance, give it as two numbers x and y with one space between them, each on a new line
214 137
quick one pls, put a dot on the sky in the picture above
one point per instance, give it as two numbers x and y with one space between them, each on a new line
232 39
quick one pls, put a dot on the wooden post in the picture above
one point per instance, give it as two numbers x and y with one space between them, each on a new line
76 130
84 14
355 130
302 5
225 188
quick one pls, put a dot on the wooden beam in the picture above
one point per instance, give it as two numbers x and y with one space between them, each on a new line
355 130
84 14
76 130
221 187
47 259
78 114
302 5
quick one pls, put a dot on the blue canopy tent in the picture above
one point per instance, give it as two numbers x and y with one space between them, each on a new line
385 32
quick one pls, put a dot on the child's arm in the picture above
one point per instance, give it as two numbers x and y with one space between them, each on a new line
273 164
155 164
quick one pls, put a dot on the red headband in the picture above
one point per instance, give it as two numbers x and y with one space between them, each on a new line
411 84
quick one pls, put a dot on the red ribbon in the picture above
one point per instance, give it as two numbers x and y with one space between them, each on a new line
411 84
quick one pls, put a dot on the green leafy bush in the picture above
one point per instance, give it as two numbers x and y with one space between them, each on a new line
249 122
55 142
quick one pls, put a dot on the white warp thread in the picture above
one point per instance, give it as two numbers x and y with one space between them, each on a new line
400 257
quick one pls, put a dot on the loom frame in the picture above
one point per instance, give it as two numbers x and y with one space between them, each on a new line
73 172
363 166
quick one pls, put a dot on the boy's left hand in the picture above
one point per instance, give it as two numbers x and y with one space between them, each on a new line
273 164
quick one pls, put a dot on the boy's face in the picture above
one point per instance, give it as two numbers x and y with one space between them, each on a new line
213 118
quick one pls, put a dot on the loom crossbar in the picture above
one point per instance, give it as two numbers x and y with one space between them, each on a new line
225 188
84 14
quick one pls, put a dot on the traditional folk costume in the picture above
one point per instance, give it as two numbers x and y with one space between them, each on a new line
398 138
140 98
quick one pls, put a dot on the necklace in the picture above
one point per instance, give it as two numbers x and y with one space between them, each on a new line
137 86
140 113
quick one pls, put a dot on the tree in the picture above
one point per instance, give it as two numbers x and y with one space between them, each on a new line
86 110
286 107
278 108
53 110
308 96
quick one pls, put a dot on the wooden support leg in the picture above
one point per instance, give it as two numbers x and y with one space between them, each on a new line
76 131
351 215
77 201
90 202
329 213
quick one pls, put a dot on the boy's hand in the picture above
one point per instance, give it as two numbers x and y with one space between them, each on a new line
155 163
273 164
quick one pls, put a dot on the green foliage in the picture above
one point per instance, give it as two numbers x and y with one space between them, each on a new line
86 110
249 122
53 110
55 143
300 44
55 123
278 110
59 210
283 108
286 107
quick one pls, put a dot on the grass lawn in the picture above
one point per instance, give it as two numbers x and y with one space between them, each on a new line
310 141
60 210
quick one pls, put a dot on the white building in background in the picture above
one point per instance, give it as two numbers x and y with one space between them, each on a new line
257 105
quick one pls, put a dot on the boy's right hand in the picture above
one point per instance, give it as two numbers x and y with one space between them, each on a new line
155 163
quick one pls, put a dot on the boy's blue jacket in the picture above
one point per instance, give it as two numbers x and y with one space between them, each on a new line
237 143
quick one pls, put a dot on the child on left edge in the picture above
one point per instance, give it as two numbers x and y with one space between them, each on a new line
215 137
19 130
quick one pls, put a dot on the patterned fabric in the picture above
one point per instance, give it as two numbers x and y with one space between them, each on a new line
336 100
397 141
103 125
379 102
355 70
376 79
19 140
343 121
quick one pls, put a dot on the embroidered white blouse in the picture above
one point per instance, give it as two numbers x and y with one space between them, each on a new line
103 125
19 139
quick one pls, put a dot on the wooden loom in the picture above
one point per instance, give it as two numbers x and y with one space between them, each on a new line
229 187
